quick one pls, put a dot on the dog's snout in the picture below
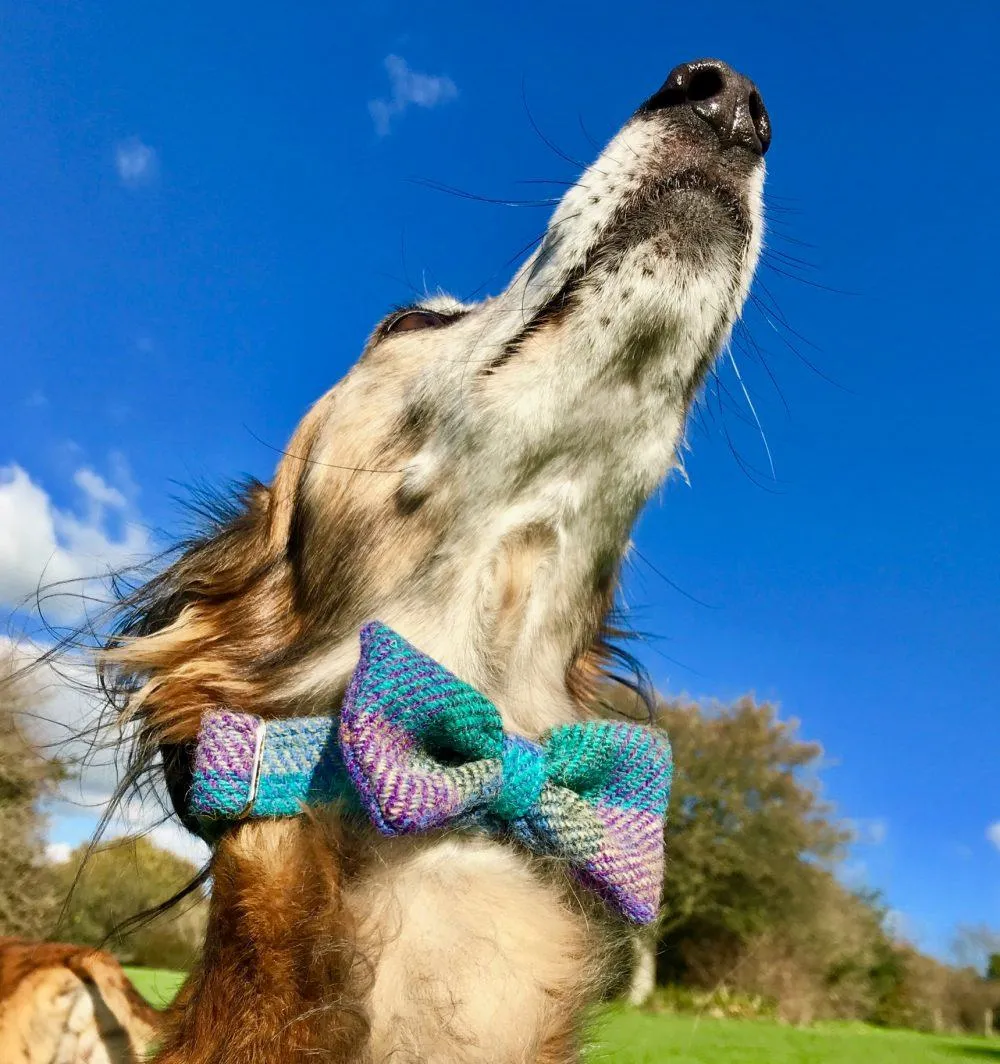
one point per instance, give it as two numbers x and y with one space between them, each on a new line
726 100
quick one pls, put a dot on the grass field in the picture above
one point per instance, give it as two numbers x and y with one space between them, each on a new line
157 985
640 1038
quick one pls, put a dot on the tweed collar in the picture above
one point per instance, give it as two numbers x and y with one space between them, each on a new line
416 749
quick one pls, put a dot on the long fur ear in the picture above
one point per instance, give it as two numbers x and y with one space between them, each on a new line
195 634
200 632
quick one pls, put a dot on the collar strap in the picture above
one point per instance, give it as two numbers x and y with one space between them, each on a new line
417 749
247 767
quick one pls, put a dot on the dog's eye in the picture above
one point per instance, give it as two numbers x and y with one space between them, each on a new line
411 320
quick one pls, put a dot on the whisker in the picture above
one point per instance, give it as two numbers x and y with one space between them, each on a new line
795 351
753 409
792 261
732 405
779 315
756 352
314 461
666 579
792 239
544 139
544 181
805 280
439 186
530 246
590 140
755 476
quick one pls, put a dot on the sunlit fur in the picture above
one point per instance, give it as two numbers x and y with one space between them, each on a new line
472 484
62 1004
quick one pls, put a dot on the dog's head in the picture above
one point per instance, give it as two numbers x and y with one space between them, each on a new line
473 480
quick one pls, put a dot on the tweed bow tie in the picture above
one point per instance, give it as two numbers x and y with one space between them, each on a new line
418 749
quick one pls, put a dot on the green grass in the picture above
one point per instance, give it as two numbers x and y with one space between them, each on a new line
641 1038
157 985
626 1037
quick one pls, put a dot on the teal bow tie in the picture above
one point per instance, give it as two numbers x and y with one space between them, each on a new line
418 749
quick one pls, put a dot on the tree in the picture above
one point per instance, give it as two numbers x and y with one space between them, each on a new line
975 947
120 880
28 901
752 901
750 898
748 839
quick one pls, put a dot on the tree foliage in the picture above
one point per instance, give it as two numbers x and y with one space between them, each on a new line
88 898
753 903
109 886
748 837
27 892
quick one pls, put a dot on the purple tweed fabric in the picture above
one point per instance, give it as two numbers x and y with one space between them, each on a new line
223 764
425 750
397 701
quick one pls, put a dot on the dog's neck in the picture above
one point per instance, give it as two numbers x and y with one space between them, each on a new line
515 615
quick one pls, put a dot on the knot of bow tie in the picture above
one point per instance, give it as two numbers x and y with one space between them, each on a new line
418 749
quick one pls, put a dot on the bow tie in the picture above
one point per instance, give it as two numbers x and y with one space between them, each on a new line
418 749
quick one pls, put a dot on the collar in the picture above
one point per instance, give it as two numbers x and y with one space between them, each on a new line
416 749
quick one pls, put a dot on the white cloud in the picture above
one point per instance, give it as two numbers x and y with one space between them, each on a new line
98 490
169 835
58 852
65 709
993 834
137 163
41 544
146 818
408 87
872 831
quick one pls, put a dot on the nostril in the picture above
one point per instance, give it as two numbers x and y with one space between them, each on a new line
760 119
757 111
704 85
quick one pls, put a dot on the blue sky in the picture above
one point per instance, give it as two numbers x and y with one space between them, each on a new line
204 209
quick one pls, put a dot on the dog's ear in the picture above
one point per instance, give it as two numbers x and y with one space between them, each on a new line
197 633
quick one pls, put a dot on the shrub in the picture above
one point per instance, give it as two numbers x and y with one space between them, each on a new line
120 880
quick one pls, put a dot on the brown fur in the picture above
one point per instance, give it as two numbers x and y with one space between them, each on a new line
284 973
280 977
62 1004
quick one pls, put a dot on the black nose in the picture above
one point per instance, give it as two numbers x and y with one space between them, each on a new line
727 101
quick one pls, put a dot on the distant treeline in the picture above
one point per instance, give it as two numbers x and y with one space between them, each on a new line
756 918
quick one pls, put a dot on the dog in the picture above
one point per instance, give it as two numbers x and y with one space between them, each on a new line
472 483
